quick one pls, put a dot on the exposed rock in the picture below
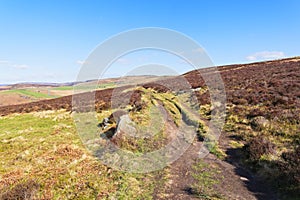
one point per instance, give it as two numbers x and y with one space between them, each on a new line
115 116
126 125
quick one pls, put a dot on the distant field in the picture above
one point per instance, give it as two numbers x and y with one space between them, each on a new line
19 96
12 99
63 88
86 86
29 93
106 85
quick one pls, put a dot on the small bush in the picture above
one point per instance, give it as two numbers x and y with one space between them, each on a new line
290 166
255 112
21 191
259 123
258 147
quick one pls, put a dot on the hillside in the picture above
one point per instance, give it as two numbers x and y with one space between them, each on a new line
21 93
256 157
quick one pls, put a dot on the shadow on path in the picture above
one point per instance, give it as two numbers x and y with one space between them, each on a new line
254 184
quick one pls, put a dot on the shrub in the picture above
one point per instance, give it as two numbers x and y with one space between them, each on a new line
290 166
259 123
255 112
258 147
22 191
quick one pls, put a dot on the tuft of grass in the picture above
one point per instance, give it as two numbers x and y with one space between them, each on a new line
214 148
236 144
207 176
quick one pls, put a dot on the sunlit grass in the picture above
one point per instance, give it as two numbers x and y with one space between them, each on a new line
44 147
29 93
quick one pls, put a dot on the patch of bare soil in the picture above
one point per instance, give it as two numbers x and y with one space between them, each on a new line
235 182
180 178
13 99
53 92
236 172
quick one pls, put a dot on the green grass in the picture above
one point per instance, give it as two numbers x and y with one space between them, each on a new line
213 147
206 176
150 128
29 93
281 132
44 147
63 88
106 85
236 144
86 86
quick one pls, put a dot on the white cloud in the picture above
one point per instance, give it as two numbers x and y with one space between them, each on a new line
22 66
6 63
81 62
265 55
2 62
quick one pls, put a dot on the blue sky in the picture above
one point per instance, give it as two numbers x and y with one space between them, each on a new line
48 40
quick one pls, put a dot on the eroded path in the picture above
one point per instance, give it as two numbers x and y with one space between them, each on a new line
180 180
232 181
